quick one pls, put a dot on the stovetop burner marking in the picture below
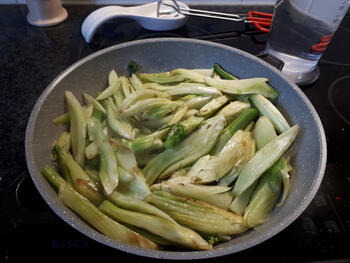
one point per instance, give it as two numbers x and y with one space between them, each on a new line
330 98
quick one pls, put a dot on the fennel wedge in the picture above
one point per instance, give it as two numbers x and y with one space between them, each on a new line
264 158
198 215
185 153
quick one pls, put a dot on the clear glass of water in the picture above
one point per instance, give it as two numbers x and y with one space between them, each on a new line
300 33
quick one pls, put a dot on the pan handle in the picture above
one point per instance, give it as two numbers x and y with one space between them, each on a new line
272 60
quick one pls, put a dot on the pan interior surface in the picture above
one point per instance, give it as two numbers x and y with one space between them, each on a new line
90 75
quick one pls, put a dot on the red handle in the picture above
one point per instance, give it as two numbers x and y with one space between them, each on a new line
260 26
261 20
261 14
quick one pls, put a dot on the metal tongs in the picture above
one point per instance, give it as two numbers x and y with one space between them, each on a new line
261 20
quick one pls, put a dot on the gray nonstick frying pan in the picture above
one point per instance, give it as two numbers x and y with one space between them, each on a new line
154 55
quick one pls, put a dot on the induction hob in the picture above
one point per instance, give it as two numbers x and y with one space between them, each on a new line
28 227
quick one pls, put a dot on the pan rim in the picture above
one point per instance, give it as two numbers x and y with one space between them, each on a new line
216 252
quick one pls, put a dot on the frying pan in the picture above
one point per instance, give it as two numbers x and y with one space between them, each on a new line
308 153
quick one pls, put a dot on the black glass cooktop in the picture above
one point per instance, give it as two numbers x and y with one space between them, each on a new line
30 59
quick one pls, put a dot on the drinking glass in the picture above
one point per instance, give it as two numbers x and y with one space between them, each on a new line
300 33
